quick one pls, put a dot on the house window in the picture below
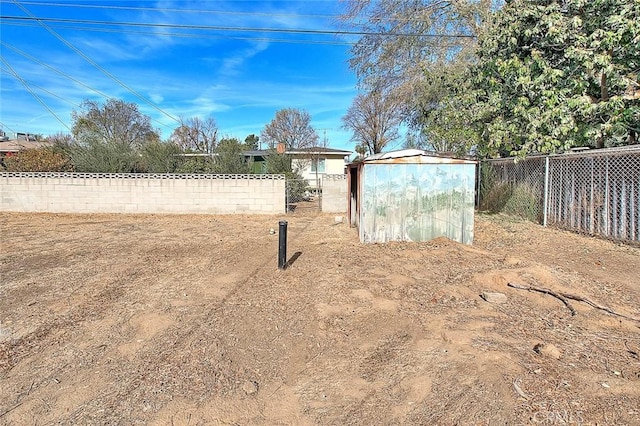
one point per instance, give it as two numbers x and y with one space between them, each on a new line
317 165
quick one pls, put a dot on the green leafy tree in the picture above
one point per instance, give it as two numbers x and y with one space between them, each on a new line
114 122
197 164
160 157
230 157
107 137
99 157
252 142
553 75
446 115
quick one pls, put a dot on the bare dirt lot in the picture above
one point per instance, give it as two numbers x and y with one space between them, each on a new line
186 320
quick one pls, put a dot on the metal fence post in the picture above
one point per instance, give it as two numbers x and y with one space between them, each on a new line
546 191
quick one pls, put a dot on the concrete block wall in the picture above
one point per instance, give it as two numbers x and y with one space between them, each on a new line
334 194
142 193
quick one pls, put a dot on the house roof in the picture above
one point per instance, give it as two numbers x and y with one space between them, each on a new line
15 145
415 156
314 150
319 150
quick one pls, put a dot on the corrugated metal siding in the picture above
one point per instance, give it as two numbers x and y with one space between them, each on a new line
417 202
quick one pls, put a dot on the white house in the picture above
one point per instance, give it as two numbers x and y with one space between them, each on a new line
313 163
316 162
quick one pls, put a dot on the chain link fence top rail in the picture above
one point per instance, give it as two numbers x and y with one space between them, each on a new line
594 192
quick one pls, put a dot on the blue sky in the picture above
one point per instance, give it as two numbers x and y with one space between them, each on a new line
240 81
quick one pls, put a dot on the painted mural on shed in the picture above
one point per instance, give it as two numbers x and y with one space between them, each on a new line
413 195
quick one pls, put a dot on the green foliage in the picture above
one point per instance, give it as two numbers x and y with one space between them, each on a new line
115 122
494 194
524 202
230 157
251 142
276 163
556 75
100 157
521 200
427 75
160 157
197 164
443 110
38 160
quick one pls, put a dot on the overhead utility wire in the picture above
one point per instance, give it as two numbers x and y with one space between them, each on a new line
57 71
70 102
193 35
226 28
4 126
35 95
175 10
94 63
36 60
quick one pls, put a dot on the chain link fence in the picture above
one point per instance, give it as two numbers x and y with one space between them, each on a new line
514 188
594 192
302 197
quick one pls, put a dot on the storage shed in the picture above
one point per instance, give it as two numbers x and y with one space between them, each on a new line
412 195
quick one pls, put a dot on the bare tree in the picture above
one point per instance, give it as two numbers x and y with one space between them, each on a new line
408 45
373 118
196 134
402 38
60 138
291 127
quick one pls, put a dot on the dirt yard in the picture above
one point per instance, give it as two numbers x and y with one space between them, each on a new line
186 320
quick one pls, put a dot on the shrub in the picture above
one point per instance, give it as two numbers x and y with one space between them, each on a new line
38 160
524 202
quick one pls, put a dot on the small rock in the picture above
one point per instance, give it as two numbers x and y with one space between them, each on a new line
605 385
249 387
494 297
548 350
338 219
272 231
512 261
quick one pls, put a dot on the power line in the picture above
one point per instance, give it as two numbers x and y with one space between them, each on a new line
174 10
45 90
193 35
94 63
75 80
35 95
26 55
4 126
41 20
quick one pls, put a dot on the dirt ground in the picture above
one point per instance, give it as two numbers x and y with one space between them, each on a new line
186 320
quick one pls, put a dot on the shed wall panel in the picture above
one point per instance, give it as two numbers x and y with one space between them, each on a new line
417 202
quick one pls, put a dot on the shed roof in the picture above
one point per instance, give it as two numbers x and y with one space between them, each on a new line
414 156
